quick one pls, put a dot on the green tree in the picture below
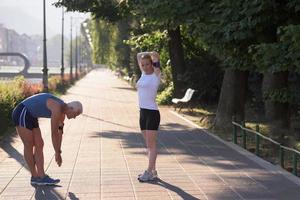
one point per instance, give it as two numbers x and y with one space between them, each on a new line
162 14
275 57
169 15
229 29
246 36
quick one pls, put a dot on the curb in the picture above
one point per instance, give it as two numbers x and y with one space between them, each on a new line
263 163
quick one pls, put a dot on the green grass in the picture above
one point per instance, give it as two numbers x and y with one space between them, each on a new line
204 111
204 117
263 127
297 145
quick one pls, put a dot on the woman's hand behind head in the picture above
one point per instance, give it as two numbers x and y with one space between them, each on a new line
154 56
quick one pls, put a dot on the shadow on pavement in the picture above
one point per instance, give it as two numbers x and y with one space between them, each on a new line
92 117
47 192
96 97
125 88
217 163
41 192
195 146
72 196
173 188
6 145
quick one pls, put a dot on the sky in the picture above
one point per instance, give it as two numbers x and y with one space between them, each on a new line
26 16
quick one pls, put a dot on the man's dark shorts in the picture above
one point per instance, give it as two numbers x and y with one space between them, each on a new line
22 117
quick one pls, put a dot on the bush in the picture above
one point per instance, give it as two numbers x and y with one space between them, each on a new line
53 82
13 92
165 97
28 89
58 86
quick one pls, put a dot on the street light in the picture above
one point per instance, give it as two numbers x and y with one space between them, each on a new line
71 56
76 50
62 69
80 50
90 44
76 56
45 69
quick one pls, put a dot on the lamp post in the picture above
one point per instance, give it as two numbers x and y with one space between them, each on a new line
76 56
62 69
89 46
71 54
80 51
76 50
85 47
45 69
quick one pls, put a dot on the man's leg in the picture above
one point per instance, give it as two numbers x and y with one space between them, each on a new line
39 159
27 138
38 151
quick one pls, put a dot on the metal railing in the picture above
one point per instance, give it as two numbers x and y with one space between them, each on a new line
258 137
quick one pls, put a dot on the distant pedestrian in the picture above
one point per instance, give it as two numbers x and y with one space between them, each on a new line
25 117
147 87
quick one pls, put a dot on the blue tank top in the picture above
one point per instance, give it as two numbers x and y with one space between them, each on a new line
37 104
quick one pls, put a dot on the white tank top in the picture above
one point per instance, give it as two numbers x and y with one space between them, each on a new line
147 87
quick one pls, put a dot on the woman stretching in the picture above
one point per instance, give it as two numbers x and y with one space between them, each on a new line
147 87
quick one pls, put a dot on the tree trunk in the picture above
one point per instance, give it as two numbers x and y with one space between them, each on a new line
176 58
123 60
232 98
277 114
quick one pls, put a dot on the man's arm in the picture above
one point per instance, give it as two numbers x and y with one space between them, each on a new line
56 134
60 130
56 139
58 158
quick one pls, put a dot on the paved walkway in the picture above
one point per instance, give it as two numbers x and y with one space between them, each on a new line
103 153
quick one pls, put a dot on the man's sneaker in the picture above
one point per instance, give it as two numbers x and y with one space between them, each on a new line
46 180
146 176
34 180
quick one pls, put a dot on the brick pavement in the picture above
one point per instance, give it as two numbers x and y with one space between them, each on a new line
103 153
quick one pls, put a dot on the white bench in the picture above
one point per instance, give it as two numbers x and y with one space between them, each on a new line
184 100
127 78
130 79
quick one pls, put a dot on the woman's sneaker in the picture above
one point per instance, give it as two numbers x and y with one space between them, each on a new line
46 180
154 172
146 176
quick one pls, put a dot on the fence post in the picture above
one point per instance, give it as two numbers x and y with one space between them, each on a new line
234 131
244 135
281 156
257 140
295 170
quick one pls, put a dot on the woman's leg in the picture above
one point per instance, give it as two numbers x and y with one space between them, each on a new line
151 136
26 136
144 136
146 143
38 151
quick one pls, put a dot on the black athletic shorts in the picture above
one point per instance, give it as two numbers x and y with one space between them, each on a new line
22 117
149 119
